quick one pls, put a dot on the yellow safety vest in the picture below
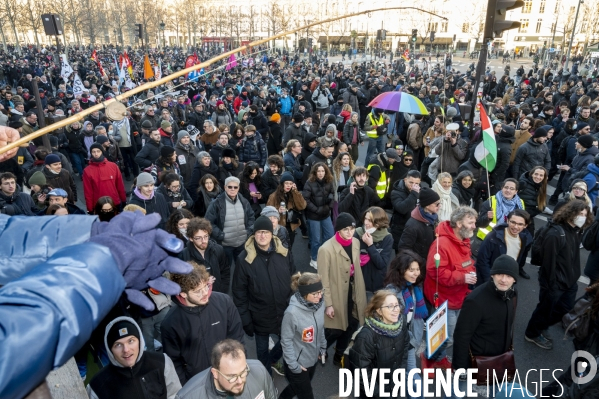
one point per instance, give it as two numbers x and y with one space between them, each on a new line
483 231
382 184
372 133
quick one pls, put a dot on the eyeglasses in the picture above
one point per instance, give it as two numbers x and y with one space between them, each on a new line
516 224
232 187
234 378
318 293
200 291
509 188
391 307
408 159
579 189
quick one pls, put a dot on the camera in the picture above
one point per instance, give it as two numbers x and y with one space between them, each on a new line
453 135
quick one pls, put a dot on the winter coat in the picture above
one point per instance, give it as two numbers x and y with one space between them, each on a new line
591 179
186 158
216 152
157 204
314 158
190 333
199 171
560 268
504 141
520 137
234 169
62 180
356 204
217 212
262 286
351 98
221 118
333 268
253 149
274 144
418 234
302 335
456 262
529 155
294 165
258 384
379 253
171 197
450 156
493 246
19 203
403 202
319 199
153 376
372 350
293 201
214 260
348 132
528 191
148 154
484 326
75 138
579 163
270 182
259 121
103 179
293 132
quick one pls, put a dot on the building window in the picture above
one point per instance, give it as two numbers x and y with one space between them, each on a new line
465 27
542 7
444 27
432 26
539 23
523 26
527 7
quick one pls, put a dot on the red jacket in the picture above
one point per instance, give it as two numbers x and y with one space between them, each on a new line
100 179
456 261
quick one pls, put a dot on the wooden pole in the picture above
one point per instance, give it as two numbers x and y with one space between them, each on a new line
150 85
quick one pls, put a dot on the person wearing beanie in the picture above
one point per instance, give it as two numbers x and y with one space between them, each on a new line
586 142
294 130
187 152
166 133
274 145
59 177
534 152
253 147
125 345
165 164
221 115
144 195
279 231
51 159
487 330
228 165
150 152
380 169
338 258
419 231
102 178
585 156
262 275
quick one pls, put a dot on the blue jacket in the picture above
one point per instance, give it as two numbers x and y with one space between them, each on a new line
58 289
253 149
494 245
591 180
286 105
293 165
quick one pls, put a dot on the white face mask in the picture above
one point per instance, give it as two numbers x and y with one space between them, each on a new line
579 221
183 232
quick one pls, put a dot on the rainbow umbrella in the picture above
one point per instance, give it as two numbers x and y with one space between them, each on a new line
398 101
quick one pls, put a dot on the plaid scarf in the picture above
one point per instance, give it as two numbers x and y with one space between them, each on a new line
309 305
420 312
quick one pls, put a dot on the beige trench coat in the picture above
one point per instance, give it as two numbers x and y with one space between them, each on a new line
333 267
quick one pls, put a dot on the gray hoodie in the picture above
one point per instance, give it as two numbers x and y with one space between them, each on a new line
302 335
170 374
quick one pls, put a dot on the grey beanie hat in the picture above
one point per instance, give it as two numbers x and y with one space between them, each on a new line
143 179
451 112
331 128
203 154
269 211
182 133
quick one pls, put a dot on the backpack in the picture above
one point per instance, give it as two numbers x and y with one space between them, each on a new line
578 320
339 123
589 238
536 252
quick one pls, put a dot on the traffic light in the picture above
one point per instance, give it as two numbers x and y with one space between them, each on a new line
140 31
310 42
432 37
414 35
497 19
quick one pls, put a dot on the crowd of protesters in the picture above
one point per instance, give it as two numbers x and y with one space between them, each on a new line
242 159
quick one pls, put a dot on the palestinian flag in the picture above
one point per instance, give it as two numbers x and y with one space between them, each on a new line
486 152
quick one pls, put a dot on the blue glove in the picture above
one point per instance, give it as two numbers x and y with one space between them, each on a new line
140 250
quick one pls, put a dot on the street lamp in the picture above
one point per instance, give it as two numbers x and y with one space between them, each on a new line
572 36
162 26
114 34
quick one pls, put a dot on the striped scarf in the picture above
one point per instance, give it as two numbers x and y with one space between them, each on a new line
420 312
386 330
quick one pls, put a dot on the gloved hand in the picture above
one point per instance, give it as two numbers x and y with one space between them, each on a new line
249 330
140 252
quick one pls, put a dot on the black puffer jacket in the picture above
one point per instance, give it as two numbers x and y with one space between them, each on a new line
529 155
528 191
148 154
418 235
319 199
157 204
270 182
261 287
505 139
215 261
372 350
199 170
17 204
403 201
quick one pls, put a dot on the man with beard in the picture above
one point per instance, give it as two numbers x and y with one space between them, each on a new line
12 200
449 281
150 151
358 197
198 320
207 252
231 375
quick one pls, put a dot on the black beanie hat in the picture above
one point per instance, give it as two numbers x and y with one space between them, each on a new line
286 176
540 132
344 220
586 141
263 223
121 329
229 153
96 145
166 151
427 196
505 264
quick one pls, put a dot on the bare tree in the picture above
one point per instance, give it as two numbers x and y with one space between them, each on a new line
10 10
32 17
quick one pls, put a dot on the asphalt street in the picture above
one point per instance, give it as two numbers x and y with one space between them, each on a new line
529 358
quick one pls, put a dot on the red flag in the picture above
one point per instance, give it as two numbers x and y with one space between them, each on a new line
190 61
94 56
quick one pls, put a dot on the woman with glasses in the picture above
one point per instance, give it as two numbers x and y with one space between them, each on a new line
496 209
384 342
343 283
105 209
578 190
302 335
376 248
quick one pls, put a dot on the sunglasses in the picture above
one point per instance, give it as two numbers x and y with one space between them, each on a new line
408 159
232 187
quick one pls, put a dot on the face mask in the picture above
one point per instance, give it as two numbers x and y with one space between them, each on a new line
574 126
579 221
183 232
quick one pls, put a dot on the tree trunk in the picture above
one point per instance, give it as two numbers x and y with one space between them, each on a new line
37 41
3 39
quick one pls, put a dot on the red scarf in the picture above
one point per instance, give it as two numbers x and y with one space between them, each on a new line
345 243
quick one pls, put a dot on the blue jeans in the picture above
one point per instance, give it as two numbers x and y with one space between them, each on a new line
377 144
267 357
320 231
78 162
410 366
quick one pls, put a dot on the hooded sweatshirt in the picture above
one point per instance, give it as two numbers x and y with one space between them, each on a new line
152 376
302 335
